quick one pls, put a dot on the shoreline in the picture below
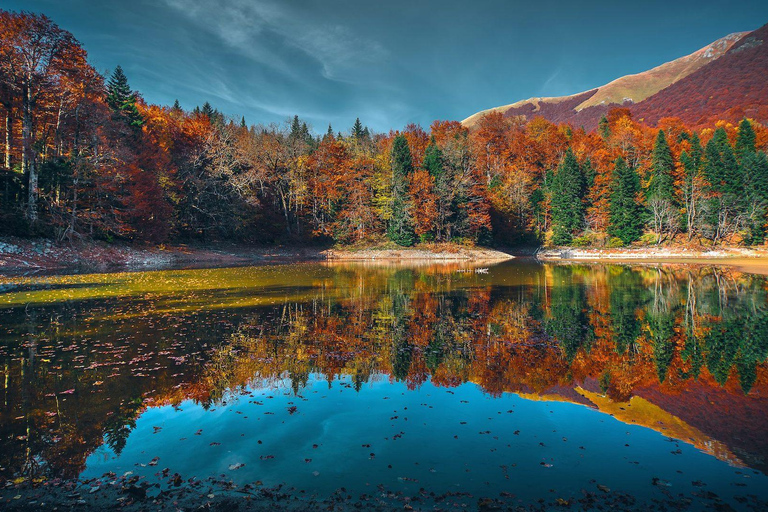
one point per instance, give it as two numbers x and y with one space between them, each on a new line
648 253
753 261
20 255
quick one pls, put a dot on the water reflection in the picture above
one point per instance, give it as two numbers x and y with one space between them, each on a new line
679 350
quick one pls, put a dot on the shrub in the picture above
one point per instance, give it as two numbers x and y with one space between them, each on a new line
649 239
586 240
615 242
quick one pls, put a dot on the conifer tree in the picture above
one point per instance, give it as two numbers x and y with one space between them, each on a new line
726 187
434 165
400 229
755 171
122 100
660 191
692 187
626 215
567 193
604 128
208 111
745 141
357 130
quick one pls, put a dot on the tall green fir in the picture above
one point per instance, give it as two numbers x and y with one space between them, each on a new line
626 214
726 203
661 184
400 228
122 100
746 139
567 189
660 192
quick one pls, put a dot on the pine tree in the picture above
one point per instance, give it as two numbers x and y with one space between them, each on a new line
400 229
603 127
357 130
745 141
329 133
692 189
755 170
567 192
122 100
626 215
118 90
177 107
726 187
242 122
434 165
660 192
662 165
208 111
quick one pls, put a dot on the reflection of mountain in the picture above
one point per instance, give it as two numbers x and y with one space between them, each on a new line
639 411
682 352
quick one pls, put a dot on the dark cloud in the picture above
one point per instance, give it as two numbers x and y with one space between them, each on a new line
390 62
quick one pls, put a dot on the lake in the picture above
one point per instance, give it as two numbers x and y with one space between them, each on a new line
425 386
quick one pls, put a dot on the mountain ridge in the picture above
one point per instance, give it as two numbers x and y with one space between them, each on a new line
634 90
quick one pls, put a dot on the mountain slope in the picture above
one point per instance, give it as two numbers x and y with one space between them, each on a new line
730 88
656 93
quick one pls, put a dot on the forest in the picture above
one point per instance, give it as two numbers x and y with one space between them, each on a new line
86 157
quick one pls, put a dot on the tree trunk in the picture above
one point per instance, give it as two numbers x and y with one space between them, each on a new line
8 135
28 161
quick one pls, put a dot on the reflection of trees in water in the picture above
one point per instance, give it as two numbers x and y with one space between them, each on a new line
620 327
568 320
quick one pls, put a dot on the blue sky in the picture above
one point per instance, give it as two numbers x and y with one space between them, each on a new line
389 62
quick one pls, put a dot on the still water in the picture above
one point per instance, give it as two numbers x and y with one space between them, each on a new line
527 382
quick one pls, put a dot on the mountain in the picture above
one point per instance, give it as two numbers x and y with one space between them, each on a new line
723 80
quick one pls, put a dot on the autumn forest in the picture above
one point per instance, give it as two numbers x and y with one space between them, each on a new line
85 157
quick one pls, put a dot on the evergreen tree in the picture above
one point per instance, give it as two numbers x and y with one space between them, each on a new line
604 128
661 184
626 215
725 206
691 193
567 193
177 107
434 165
400 229
122 100
208 111
242 122
755 171
357 130
660 192
745 141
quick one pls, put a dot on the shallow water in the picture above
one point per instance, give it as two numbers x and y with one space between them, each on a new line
531 381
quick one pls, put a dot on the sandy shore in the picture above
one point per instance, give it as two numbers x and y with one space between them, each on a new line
746 260
442 254
19 255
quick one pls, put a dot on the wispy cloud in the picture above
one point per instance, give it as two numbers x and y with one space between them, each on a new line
262 30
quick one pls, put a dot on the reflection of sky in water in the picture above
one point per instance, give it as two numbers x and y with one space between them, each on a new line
589 359
457 439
